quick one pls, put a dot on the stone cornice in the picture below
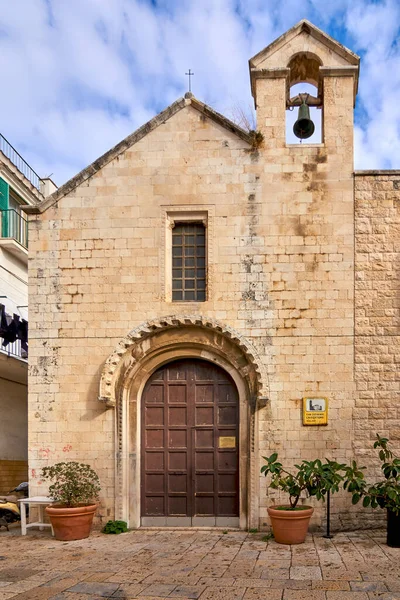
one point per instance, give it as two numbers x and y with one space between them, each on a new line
275 73
342 71
377 172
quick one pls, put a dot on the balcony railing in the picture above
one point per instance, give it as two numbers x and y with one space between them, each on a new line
14 226
14 349
19 162
13 334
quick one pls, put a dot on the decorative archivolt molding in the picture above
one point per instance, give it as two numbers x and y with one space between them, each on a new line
114 364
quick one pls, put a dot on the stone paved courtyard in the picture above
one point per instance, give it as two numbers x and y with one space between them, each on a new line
210 565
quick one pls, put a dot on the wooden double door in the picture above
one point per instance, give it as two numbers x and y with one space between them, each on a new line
189 441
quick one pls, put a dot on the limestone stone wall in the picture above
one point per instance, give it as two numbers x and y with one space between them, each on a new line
377 314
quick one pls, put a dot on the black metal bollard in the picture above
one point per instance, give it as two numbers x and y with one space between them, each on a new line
328 517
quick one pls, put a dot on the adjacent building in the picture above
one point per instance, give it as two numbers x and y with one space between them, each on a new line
193 285
19 186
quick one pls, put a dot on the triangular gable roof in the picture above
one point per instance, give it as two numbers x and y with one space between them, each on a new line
315 32
133 138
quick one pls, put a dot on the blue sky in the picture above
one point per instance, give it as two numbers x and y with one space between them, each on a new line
80 75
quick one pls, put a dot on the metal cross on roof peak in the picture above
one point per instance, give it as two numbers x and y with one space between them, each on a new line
190 81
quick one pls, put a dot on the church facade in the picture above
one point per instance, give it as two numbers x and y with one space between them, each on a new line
192 288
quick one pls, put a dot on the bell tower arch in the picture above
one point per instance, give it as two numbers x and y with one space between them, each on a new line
308 55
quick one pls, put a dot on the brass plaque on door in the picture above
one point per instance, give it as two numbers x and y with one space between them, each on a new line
227 442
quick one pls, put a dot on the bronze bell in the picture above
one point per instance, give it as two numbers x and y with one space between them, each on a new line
304 127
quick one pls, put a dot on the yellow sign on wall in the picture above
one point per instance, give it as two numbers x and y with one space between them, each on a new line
315 411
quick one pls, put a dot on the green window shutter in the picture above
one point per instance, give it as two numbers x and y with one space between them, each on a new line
4 206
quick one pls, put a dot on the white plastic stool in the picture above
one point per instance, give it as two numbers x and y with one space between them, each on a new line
40 502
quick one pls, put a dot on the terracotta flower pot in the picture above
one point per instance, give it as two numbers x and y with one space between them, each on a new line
71 523
290 526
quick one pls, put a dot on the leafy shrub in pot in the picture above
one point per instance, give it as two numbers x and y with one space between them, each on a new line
384 493
315 478
75 490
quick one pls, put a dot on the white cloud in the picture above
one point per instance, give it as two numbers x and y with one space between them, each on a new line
375 28
364 156
81 75
92 132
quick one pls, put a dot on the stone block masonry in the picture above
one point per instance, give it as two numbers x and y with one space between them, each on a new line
377 311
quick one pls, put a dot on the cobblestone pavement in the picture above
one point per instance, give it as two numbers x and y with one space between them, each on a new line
210 565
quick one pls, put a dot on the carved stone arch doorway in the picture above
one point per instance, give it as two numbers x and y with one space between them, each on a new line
145 350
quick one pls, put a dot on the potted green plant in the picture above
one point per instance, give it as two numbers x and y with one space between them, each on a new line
75 490
385 493
315 478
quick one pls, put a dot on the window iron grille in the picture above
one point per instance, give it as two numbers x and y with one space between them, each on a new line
189 262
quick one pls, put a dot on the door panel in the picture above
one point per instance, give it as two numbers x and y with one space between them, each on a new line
154 415
177 438
190 427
